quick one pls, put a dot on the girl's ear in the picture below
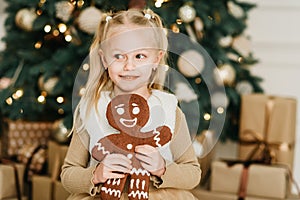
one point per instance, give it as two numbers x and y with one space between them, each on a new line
103 60
159 56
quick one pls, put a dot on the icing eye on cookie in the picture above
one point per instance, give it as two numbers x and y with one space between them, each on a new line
135 109
120 109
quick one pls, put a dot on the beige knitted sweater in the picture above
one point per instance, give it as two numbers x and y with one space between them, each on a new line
180 176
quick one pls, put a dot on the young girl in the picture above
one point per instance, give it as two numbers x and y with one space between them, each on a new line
127 56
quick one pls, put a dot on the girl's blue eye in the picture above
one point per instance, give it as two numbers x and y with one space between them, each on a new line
140 56
119 56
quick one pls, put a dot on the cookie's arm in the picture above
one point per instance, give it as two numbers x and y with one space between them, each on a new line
101 149
162 135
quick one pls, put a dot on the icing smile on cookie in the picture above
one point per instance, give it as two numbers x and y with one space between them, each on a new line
128 122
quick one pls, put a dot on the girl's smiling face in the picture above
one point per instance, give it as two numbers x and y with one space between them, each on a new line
130 59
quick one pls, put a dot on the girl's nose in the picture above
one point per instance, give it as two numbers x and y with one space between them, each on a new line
129 64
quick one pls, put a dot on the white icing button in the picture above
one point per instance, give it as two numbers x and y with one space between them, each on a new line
129 156
129 146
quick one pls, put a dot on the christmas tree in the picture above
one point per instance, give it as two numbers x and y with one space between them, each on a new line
47 41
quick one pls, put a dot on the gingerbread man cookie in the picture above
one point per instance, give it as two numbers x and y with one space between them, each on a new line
129 113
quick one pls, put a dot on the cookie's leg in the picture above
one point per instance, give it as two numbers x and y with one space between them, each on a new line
139 184
113 188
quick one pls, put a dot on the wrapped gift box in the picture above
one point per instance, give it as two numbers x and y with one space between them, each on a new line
23 198
265 181
47 189
268 121
56 156
7 180
18 133
210 195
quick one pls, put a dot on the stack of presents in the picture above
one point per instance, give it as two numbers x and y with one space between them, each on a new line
30 162
263 167
262 170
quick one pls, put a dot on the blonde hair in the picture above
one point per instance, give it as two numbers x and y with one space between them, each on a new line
98 79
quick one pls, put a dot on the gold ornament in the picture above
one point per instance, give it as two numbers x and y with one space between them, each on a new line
24 18
187 13
89 19
244 87
48 85
235 10
64 10
191 63
225 75
5 83
219 99
242 44
60 133
225 41
199 26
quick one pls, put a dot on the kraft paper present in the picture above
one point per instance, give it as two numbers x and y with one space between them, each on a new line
210 195
56 156
23 198
265 181
268 120
7 180
45 188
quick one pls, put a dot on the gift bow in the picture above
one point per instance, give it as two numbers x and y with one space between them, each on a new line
268 155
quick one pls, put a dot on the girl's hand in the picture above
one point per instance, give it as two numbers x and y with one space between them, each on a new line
151 159
112 166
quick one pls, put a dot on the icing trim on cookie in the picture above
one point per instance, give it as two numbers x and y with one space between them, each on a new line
101 148
139 171
110 191
156 138
139 194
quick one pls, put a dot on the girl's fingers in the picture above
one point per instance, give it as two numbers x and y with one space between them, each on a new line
110 175
144 158
118 163
145 149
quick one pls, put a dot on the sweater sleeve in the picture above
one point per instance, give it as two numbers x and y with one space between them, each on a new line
76 175
184 172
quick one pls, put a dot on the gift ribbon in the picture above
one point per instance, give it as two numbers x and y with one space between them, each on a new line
263 146
261 141
242 192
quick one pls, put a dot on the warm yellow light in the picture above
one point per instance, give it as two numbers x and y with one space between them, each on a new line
60 111
86 67
207 116
60 99
157 4
68 38
62 27
39 12
9 101
80 3
220 110
19 93
179 21
198 80
41 99
47 28
44 93
81 91
38 45
55 33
